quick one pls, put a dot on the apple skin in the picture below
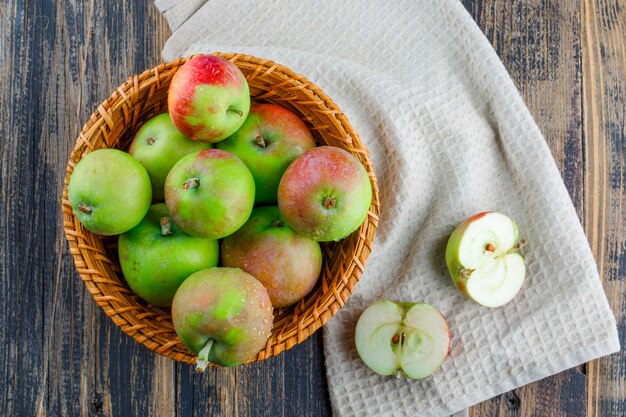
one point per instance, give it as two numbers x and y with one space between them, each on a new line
158 145
227 306
109 191
467 254
219 203
208 98
402 339
155 264
285 262
267 142
325 194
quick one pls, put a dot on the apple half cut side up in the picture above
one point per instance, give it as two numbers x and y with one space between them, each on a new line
402 339
484 260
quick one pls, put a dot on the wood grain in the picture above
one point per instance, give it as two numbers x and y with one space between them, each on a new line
61 356
604 109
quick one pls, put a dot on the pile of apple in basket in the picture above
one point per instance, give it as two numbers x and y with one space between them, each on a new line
247 198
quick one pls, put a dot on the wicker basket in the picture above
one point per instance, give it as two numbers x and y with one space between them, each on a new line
114 124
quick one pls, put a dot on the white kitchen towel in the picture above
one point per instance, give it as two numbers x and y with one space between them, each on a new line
449 136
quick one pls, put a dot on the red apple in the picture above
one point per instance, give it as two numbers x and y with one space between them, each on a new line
287 263
267 142
208 98
325 194
222 314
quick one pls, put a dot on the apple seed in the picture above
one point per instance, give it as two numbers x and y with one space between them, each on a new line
490 248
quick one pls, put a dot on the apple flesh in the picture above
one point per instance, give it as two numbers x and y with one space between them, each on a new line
402 339
210 193
158 145
156 256
109 191
222 314
325 194
285 262
267 142
208 98
484 260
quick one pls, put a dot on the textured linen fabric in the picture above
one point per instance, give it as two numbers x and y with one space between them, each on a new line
449 136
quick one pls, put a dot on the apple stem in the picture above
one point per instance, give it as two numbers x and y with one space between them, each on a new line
329 202
191 183
203 357
239 112
260 141
518 248
85 208
166 226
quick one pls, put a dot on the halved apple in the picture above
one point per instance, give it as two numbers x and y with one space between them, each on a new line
484 260
402 339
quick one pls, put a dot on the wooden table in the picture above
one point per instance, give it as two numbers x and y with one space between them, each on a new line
60 354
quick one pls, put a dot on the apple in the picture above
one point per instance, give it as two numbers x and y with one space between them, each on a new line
484 260
402 339
158 145
267 142
109 191
222 314
325 194
209 193
285 262
156 256
208 98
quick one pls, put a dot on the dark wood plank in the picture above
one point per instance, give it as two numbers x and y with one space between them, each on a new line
604 109
61 354
539 44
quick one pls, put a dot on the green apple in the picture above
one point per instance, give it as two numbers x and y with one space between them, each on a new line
484 260
208 98
158 145
325 194
267 142
222 314
156 256
109 191
402 339
209 193
287 263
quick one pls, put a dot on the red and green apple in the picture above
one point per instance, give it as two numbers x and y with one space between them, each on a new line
286 263
325 194
208 98
222 314
267 142
484 260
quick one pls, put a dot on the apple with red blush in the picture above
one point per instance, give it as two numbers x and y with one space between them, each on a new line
288 264
325 194
267 142
208 98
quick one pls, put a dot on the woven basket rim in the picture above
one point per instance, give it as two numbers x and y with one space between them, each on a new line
90 255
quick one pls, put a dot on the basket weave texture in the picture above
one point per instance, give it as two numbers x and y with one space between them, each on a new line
114 124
